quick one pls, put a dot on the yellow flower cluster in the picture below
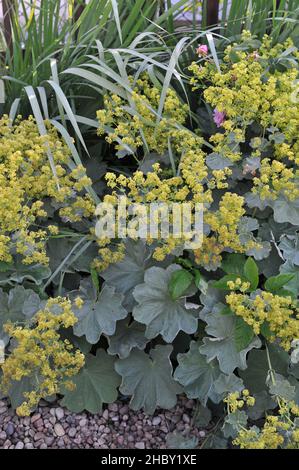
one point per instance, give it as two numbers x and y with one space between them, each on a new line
275 178
247 93
148 188
237 400
280 314
224 225
274 431
135 126
26 179
238 285
108 255
144 189
193 182
41 354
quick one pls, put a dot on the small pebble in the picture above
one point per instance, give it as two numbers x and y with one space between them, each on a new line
29 446
156 420
38 436
140 445
124 410
113 407
19 445
35 418
72 432
10 429
59 431
59 413
38 423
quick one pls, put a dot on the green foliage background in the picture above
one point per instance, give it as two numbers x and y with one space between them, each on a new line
60 72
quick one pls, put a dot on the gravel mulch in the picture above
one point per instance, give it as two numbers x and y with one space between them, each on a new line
118 427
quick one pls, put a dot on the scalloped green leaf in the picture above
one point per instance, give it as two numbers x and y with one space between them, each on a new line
263 403
126 337
221 343
129 272
196 374
293 284
285 210
233 423
99 312
176 440
228 383
148 378
261 251
19 387
289 245
158 310
216 161
281 388
96 383
255 375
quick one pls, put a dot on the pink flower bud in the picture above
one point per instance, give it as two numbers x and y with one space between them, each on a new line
218 117
202 50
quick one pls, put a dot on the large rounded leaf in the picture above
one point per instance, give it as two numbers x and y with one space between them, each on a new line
196 374
256 374
222 344
95 384
285 210
289 245
289 268
126 338
99 312
158 310
148 378
129 272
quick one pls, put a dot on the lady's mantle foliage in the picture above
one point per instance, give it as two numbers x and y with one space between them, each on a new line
219 323
156 308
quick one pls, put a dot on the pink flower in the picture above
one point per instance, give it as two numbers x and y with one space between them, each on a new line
202 50
218 117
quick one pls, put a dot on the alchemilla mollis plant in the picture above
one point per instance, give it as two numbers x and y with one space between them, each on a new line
147 317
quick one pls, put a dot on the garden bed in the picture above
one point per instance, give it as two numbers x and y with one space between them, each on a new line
149 226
